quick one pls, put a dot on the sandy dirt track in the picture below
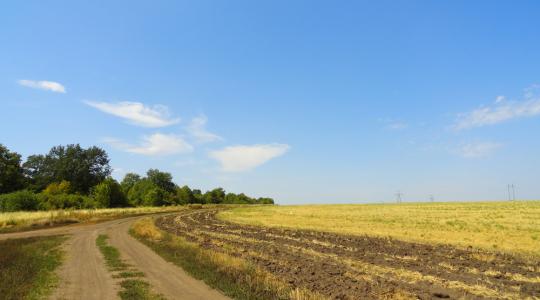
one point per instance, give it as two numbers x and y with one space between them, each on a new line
84 275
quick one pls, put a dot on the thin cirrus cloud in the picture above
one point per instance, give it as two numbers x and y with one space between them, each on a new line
197 129
43 85
500 111
157 144
396 125
478 149
137 113
247 157
392 124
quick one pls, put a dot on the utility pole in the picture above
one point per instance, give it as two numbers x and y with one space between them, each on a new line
509 195
398 196
513 192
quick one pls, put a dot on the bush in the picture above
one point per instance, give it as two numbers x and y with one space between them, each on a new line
137 194
56 188
20 200
109 194
65 201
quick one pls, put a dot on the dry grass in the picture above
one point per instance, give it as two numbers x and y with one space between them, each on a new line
146 229
502 226
14 221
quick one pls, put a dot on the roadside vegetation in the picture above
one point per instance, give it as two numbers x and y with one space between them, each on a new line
131 282
512 227
27 220
27 267
72 177
234 276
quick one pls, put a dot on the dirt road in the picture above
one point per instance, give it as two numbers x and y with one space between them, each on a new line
84 275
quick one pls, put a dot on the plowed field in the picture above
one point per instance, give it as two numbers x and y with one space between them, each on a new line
362 267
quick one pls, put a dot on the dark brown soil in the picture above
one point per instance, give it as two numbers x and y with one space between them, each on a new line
362 267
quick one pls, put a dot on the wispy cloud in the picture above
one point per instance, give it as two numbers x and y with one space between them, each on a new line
154 145
478 149
137 113
43 85
391 124
197 129
396 125
500 111
244 158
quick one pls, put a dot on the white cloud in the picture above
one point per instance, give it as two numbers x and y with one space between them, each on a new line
392 124
478 150
396 125
243 158
118 173
137 113
500 111
43 85
155 144
197 129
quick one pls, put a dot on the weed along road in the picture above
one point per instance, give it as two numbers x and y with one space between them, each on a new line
84 274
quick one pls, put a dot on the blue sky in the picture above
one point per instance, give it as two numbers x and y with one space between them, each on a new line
303 101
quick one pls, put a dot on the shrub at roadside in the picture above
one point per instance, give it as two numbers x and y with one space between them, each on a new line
65 201
20 200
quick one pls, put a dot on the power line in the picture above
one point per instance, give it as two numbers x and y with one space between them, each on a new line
511 192
398 197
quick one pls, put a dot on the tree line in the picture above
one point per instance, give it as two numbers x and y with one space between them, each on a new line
74 177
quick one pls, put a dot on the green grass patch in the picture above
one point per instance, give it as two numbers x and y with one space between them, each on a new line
129 274
111 254
137 289
27 267
132 289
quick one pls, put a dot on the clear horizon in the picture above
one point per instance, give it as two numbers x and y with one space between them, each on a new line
304 102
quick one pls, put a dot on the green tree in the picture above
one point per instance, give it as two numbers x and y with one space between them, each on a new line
11 172
39 176
198 196
130 179
184 195
137 193
156 196
108 193
214 196
161 179
83 168
243 199
265 201
230 198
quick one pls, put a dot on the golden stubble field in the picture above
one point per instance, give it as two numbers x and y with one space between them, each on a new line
512 227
